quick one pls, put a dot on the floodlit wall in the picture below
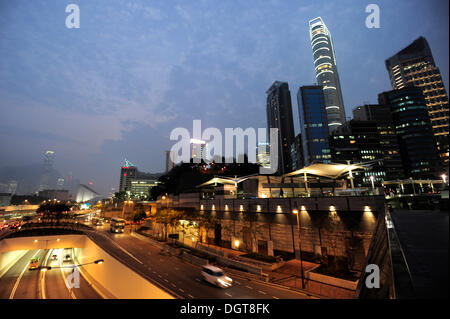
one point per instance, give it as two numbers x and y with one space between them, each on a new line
111 279
114 277
8 259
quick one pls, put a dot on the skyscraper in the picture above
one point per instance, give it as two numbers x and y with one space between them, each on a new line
414 132
279 115
49 158
313 124
127 174
381 115
326 72
414 66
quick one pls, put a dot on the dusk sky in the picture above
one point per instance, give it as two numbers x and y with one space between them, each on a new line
135 70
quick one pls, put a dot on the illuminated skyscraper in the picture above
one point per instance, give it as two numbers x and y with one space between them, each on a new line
326 72
414 66
279 115
49 158
127 174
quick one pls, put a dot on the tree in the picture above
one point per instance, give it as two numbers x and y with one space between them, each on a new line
53 210
168 216
251 218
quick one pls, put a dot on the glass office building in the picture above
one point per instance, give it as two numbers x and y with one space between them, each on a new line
414 132
279 115
414 66
326 72
313 124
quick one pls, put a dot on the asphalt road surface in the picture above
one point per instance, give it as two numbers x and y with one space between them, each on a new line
21 283
181 278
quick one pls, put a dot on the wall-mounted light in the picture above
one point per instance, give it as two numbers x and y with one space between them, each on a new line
279 210
258 208
241 208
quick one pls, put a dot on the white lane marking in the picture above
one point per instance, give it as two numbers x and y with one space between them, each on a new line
262 292
43 275
190 296
180 289
159 276
275 297
173 285
197 279
249 287
166 280
11 296
228 294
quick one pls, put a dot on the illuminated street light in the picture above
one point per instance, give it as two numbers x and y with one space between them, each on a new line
372 178
295 211
444 178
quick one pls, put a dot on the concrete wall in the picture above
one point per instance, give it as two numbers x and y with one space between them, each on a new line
114 277
41 242
7 259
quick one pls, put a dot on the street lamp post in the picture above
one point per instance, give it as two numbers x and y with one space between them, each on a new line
296 212
372 179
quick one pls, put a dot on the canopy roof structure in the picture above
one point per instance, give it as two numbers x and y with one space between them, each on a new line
224 180
327 170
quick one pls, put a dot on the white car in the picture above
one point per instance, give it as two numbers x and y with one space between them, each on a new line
216 276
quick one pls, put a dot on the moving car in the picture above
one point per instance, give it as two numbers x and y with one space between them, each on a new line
34 263
54 257
67 257
216 276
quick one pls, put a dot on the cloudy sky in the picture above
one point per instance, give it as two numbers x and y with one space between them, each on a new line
135 70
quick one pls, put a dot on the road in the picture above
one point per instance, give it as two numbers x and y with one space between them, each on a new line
184 279
21 283
424 238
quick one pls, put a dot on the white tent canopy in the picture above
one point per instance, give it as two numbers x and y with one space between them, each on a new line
327 170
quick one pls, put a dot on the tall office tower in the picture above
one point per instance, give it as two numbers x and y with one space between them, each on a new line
264 156
128 173
381 115
198 150
297 153
169 162
359 141
414 132
279 115
326 72
313 124
414 66
49 158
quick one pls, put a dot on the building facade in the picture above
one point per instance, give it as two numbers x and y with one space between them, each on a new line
414 132
359 142
313 124
279 115
381 115
128 173
415 66
326 72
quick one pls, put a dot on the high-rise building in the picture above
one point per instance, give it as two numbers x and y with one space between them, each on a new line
414 132
169 162
127 173
327 73
414 66
198 150
279 115
46 182
313 124
297 153
359 142
381 115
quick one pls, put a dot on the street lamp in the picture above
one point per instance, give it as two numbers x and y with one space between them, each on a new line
372 179
444 178
97 262
295 211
